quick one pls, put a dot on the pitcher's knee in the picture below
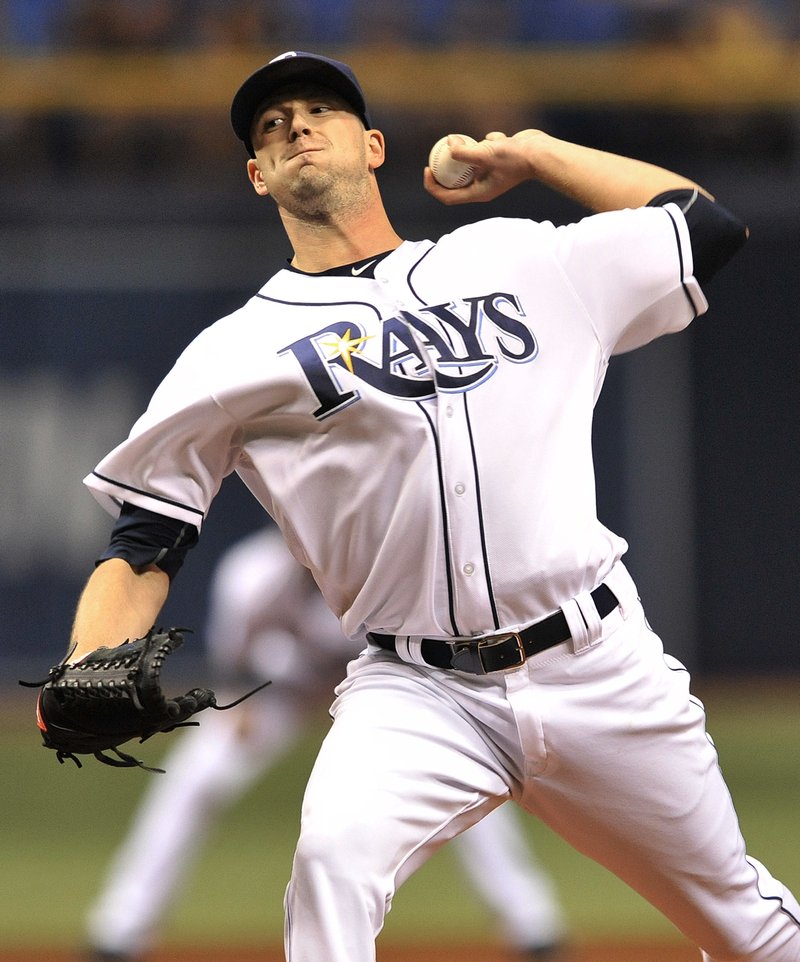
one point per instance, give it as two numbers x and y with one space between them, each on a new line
343 862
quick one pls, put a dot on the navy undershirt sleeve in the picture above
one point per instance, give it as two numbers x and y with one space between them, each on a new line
143 538
715 232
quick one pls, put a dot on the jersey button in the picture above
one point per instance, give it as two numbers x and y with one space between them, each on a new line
469 568
460 488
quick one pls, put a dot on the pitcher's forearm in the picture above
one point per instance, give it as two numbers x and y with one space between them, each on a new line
602 181
117 604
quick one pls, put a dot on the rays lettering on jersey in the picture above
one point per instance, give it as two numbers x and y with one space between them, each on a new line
444 348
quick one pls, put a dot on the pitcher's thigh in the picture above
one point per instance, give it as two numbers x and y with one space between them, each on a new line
402 762
400 772
400 751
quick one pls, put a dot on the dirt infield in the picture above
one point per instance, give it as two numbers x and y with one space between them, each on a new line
600 952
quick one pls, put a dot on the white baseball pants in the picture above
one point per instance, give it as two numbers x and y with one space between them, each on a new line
598 737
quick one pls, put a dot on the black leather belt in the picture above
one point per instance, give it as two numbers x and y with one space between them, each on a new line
508 649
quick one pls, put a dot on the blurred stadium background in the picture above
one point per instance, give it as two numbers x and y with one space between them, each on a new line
127 225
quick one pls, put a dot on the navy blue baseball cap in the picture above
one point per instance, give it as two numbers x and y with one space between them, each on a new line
291 67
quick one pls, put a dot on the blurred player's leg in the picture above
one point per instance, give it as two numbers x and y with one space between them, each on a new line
210 768
502 868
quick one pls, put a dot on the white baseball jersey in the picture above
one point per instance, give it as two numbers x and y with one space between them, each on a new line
422 437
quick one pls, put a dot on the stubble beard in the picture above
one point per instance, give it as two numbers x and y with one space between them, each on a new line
322 196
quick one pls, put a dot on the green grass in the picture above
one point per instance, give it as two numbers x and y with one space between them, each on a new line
60 825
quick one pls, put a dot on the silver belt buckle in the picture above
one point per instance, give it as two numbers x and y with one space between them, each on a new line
516 653
469 656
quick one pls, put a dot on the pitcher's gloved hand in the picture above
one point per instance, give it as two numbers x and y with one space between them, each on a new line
112 695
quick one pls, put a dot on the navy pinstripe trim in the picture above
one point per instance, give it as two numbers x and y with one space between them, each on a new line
681 263
148 494
476 475
448 560
445 520
481 525
277 300
411 271
771 898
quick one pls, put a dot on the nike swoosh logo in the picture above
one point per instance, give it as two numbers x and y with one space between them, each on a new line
355 271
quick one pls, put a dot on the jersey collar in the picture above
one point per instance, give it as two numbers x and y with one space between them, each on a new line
363 268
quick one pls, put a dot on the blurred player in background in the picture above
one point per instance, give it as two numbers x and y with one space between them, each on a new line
267 619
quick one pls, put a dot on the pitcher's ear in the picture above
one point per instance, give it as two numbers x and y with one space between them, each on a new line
376 146
256 178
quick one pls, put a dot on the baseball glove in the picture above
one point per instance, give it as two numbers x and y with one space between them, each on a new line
113 695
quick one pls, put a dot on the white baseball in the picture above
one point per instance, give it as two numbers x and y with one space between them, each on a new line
447 171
